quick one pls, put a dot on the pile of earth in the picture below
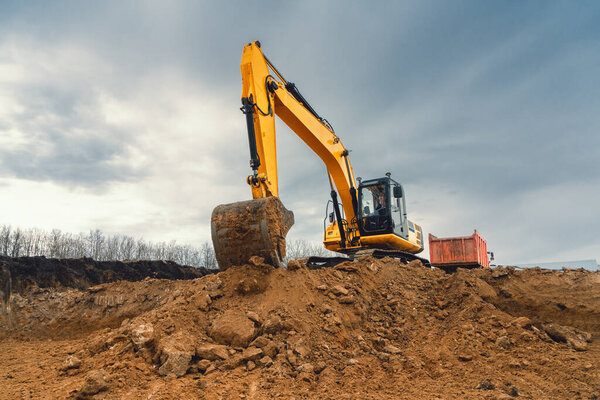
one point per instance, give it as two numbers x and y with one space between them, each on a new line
370 329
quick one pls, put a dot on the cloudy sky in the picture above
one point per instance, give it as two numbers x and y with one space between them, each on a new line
124 116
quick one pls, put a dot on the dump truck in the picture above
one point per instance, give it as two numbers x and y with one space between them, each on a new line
459 252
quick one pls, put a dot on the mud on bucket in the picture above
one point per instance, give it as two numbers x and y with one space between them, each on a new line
250 228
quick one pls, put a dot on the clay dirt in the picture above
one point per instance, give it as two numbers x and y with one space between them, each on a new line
369 329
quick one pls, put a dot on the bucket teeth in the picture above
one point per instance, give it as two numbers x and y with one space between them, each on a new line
250 228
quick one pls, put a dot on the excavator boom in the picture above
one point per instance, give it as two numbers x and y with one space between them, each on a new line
263 97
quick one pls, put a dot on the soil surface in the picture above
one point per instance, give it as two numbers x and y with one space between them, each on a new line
370 329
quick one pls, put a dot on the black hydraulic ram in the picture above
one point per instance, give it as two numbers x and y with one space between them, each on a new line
338 216
352 188
248 110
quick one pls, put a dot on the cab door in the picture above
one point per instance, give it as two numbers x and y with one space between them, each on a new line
397 210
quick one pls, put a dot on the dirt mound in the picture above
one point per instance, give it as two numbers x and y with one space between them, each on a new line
569 297
370 329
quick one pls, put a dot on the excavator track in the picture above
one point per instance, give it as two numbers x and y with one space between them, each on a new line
250 228
403 256
325 262
328 262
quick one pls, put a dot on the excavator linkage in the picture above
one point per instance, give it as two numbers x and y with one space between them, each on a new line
250 228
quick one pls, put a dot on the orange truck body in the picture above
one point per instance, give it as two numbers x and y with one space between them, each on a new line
463 251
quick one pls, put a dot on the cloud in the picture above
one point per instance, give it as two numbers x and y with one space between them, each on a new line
54 128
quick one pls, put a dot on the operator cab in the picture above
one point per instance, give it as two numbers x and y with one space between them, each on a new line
380 223
382 208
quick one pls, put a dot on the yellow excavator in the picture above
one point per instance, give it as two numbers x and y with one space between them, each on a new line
371 218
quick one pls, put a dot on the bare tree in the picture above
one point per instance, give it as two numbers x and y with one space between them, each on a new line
54 243
208 258
4 240
127 247
36 242
16 244
96 242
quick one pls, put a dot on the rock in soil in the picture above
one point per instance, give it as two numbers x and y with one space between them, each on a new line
233 328
72 362
95 382
576 339
176 353
212 352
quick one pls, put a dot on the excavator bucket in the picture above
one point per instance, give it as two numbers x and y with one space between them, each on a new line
250 228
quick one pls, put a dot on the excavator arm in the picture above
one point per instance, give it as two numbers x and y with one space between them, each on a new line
263 97
255 227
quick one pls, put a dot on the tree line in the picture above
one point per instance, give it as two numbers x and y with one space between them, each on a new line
17 242
100 246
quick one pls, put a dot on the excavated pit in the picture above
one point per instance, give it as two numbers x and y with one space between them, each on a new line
370 329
